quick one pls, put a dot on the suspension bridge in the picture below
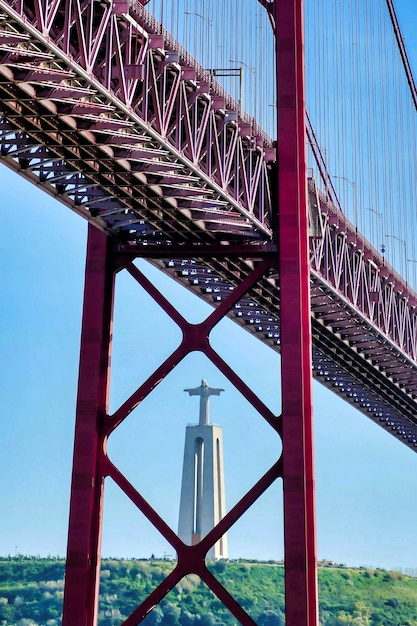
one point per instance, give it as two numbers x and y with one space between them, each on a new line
157 124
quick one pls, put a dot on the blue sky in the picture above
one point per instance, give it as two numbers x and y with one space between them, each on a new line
366 480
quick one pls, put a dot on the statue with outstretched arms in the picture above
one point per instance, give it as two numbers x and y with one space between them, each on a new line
204 391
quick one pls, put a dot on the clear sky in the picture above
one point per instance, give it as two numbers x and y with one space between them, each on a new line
366 479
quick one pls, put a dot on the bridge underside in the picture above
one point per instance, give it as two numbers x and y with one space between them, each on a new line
357 362
66 133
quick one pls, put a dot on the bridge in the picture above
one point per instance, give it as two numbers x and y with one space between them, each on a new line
105 110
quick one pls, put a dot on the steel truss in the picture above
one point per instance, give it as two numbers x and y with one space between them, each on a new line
370 313
150 134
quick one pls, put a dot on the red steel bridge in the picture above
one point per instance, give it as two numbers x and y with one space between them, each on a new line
104 109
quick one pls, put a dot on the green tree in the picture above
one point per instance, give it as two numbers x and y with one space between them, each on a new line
187 619
208 619
270 618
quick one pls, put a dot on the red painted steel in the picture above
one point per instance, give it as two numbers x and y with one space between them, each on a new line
298 473
132 81
85 522
94 425
339 273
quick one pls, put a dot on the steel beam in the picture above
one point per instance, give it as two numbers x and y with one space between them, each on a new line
86 505
301 606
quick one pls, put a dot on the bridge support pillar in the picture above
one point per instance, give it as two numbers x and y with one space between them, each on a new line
84 534
301 605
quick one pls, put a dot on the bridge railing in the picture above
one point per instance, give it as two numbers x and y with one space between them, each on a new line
201 72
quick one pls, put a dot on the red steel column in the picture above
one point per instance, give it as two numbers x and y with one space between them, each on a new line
86 505
298 470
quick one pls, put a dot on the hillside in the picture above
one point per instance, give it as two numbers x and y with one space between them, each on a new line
31 592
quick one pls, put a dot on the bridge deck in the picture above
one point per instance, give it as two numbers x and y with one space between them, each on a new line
161 183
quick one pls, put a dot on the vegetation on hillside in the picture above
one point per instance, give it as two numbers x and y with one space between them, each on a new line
31 593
